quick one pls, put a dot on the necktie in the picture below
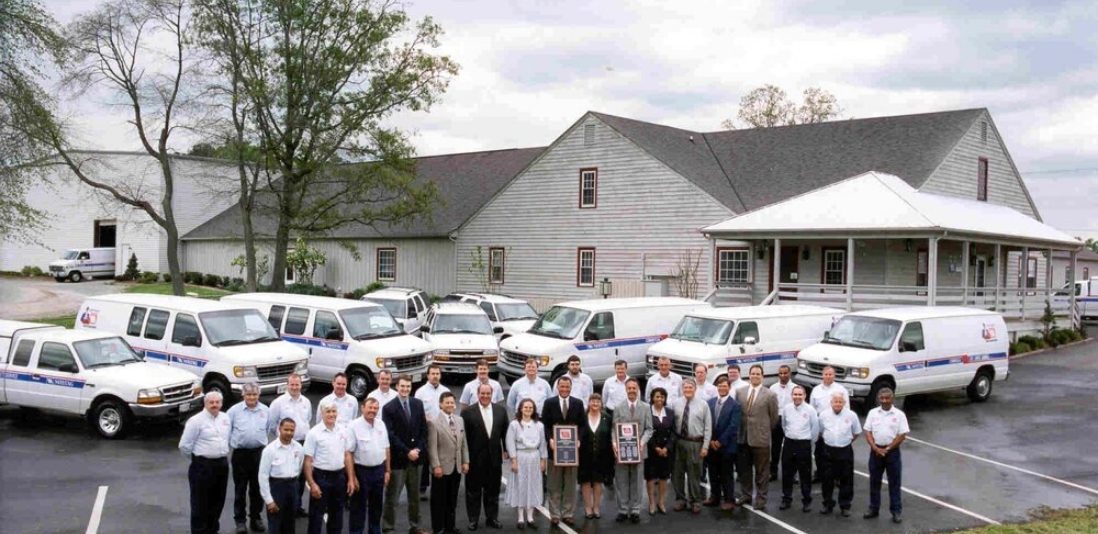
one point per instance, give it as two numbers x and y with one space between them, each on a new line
685 418
720 403
407 410
632 410
751 398
453 429
564 406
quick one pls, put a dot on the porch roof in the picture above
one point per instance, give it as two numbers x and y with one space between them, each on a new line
880 204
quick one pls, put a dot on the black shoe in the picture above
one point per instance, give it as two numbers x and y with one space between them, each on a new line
423 497
492 523
845 512
807 508
301 513
241 528
620 518
473 526
773 477
897 519
870 514
258 526
827 510
634 518
785 505
520 525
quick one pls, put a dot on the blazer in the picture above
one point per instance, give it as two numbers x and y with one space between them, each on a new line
551 416
726 424
758 420
405 434
485 452
642 417
446 449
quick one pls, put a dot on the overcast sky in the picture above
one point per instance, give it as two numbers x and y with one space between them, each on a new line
530 68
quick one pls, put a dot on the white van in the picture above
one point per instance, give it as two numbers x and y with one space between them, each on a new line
460 334
407 305
355 337
90 374
745 335
226 345
512 315
919 349
80 263
599 332
1086 297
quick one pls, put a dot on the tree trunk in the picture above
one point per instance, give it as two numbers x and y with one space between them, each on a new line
282 242
251 283
170 227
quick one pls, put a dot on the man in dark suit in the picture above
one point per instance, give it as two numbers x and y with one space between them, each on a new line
407 424
486 431
561 480
759 406
722 448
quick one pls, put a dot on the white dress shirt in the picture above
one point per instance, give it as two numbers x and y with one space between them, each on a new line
206 436
278 461
469 393
523 388
784 393
821 396
383 397
672 383
886 425
706 392
800 422
368 441
486 415
840 428
327 447
299 409
613 391
582 386
346 408
429 395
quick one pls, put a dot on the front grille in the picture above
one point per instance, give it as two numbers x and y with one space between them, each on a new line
678 367
816 370
514 358
275 372
55 269
467 353
176 393
404 363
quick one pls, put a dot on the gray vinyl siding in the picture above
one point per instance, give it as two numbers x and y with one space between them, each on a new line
647 215
957 175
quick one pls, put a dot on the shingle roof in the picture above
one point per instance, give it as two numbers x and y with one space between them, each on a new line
465 182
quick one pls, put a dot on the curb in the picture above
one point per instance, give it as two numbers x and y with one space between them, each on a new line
1049 349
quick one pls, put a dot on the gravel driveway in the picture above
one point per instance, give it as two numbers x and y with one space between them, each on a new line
31 298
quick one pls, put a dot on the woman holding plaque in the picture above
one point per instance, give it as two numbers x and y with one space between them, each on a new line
596 456
528 452
657 466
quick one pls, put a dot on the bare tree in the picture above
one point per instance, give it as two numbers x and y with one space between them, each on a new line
686 273
769 106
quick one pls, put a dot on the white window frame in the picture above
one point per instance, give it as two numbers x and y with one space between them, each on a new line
378 262
593 186
494 263
733 265
841 262
580 267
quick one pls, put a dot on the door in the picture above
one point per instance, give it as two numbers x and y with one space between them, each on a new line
18 376
980 274
56 382
599 352
185 347
789 270
745 346
328 345
415 313
152 342
915 371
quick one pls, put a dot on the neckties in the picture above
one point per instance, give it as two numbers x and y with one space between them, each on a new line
685 418
751 398
720 403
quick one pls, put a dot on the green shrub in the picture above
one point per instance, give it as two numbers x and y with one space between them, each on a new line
224 282
309 289
1021 347
235 286
32 270
433 299
191 277
374 286
1034 342
167 277
148 277
132 272
235 282
211 280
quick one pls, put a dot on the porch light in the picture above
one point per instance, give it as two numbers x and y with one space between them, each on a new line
606 287
907 245
761 253
805 253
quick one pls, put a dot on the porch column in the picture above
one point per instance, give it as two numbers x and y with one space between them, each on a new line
849 274
714 261
1048 276
965 255
1072 306
932 271
998 276
776 272
1025 279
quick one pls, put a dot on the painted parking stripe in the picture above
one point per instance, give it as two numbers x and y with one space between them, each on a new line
545 512
941 503
97 511
1007 466
765 515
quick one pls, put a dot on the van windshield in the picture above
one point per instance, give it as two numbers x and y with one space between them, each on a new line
514 311
462 323
70 255
370 322
865 332
103 352
396 307
702 330
236 327
560 322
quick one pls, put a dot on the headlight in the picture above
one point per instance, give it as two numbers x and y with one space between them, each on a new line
801 364
543 361
491 352
384 362
858 372
301 366
428 358
244 371
148 396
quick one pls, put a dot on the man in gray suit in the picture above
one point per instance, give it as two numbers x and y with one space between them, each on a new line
694 428
449 455
760 415
628 479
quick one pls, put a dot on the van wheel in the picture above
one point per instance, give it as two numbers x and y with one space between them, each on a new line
59 279
111 419
980 388
221 386
75 277
874 390
557 373
359 382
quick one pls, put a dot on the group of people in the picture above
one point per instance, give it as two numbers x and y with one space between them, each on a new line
359 457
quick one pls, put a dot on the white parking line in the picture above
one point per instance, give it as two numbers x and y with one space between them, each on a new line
944 504
766 516
545 512
1007 466
97 511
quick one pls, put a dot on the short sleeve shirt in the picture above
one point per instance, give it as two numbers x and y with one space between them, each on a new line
886 425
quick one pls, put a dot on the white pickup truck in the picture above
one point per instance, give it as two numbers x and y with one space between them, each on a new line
91 374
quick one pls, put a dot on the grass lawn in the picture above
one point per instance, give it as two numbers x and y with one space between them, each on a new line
62 320
164 288
1048 522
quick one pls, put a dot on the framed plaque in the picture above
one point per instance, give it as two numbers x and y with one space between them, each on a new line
628 435
567 438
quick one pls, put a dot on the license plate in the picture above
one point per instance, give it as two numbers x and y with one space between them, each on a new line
185 407
281 389
417 377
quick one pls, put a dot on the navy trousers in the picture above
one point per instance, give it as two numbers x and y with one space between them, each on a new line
797 461
722 476
371 488
247 502
333 497
285 495
893 466
444 500
209 481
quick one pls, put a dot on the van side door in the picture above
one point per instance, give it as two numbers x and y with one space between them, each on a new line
329 346
151 341
599 348
917 368
185 345
56 380
414 310
17 375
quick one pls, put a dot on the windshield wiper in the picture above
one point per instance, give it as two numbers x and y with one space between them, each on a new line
547 333
862 343
375 335
231 342
98 364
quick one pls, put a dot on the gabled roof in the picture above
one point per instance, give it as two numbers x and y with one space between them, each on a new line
464 181
876 203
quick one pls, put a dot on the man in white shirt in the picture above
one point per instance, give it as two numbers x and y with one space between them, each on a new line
783 388
469 395
582 385
885 429
838 426
298 407
384 393
613 389
821 400
279 469
664 378
205 441
370 452
428 394
706 390
329 471
346 405
801 427
530 387
735 380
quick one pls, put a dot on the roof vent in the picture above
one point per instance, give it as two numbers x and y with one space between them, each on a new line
588 134
691 139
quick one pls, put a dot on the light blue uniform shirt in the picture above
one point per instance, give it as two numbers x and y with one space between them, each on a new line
206 436
249 426
522 389
299 409
800 422
327 447
279 461
840 428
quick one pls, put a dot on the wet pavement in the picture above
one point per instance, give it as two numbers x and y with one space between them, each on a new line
1037 426
33 298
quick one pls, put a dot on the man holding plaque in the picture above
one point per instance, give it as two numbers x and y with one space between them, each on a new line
562 416
631 416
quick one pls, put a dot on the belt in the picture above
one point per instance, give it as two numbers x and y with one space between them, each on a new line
826 444
369 466
329 472
696 439
197 458
283 479
798 440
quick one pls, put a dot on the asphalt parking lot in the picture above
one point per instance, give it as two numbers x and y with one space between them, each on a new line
965 465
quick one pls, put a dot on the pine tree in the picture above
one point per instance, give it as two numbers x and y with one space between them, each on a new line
132 273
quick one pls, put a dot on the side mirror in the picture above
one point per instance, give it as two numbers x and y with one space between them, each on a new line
412 314
334 335
749 340
425 329
827 334
191 341
908 346
497 330
68 368
590 336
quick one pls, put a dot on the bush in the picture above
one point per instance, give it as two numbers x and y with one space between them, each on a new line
1021 347
167 277
149 277
1034 342
374 286
191 277
235 282
433 299
132 272
309 289
211 280
32 270
235 286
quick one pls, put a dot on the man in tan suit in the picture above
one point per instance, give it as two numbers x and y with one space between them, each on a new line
449 455
760 416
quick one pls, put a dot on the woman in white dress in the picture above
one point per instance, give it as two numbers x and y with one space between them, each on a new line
526 447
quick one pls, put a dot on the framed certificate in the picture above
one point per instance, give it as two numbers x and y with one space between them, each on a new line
628 443
567 438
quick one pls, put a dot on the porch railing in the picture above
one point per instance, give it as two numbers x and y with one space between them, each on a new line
730 294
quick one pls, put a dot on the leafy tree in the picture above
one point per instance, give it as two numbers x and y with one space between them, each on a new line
1091 244
769 106
305 260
